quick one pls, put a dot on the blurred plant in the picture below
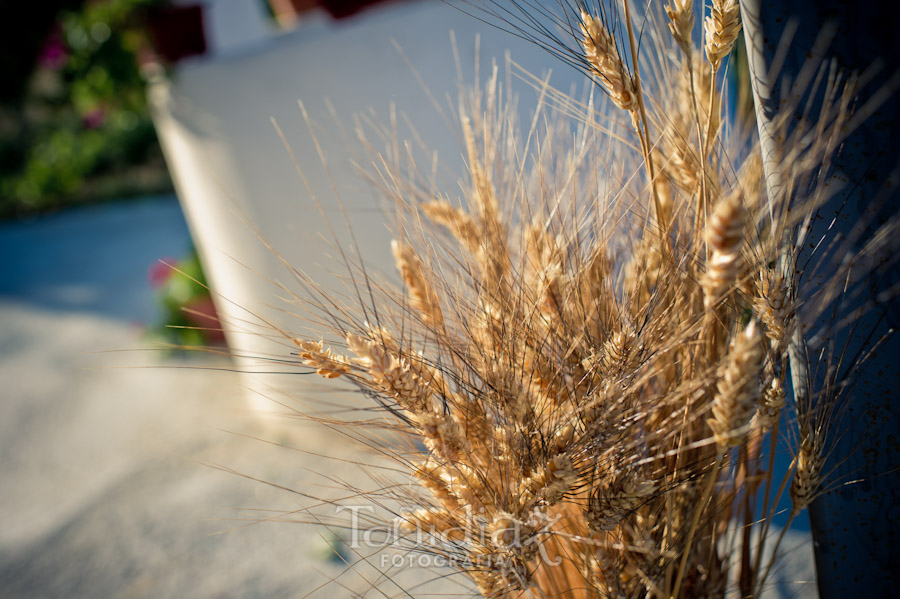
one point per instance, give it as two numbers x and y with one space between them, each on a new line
188 314
82 122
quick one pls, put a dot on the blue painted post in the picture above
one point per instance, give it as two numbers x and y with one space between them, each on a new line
855 527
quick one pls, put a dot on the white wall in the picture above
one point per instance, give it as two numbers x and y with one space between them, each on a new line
232 172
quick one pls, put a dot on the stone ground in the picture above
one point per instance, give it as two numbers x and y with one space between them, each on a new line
119 468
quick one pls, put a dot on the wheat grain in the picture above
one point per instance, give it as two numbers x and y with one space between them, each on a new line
550 483
773 401
391 374
433 477
442 434
461 225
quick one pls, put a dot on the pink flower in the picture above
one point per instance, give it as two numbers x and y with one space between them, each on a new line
93 118
159 272
53 54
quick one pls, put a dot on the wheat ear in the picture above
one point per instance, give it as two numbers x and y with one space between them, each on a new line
615 499
723 238
738 389
422 296
681 23
459 223
723 24
773 401
391 374
773 308
807 474
606 63
326 363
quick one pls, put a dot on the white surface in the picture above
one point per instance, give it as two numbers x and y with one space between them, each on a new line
235 25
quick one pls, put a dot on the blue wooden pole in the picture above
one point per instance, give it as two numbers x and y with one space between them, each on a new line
855 527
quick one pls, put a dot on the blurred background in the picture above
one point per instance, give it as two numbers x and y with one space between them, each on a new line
136 136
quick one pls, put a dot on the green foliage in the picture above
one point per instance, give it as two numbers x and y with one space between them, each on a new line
82 132
188 314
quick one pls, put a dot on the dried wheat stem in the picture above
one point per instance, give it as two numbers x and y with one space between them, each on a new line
698 509
737 391
763 533
805 485
761 581
644 133
610 69
709 100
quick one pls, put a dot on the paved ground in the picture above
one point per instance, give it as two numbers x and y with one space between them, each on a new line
105 453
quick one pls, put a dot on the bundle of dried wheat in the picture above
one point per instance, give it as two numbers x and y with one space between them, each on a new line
591 362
